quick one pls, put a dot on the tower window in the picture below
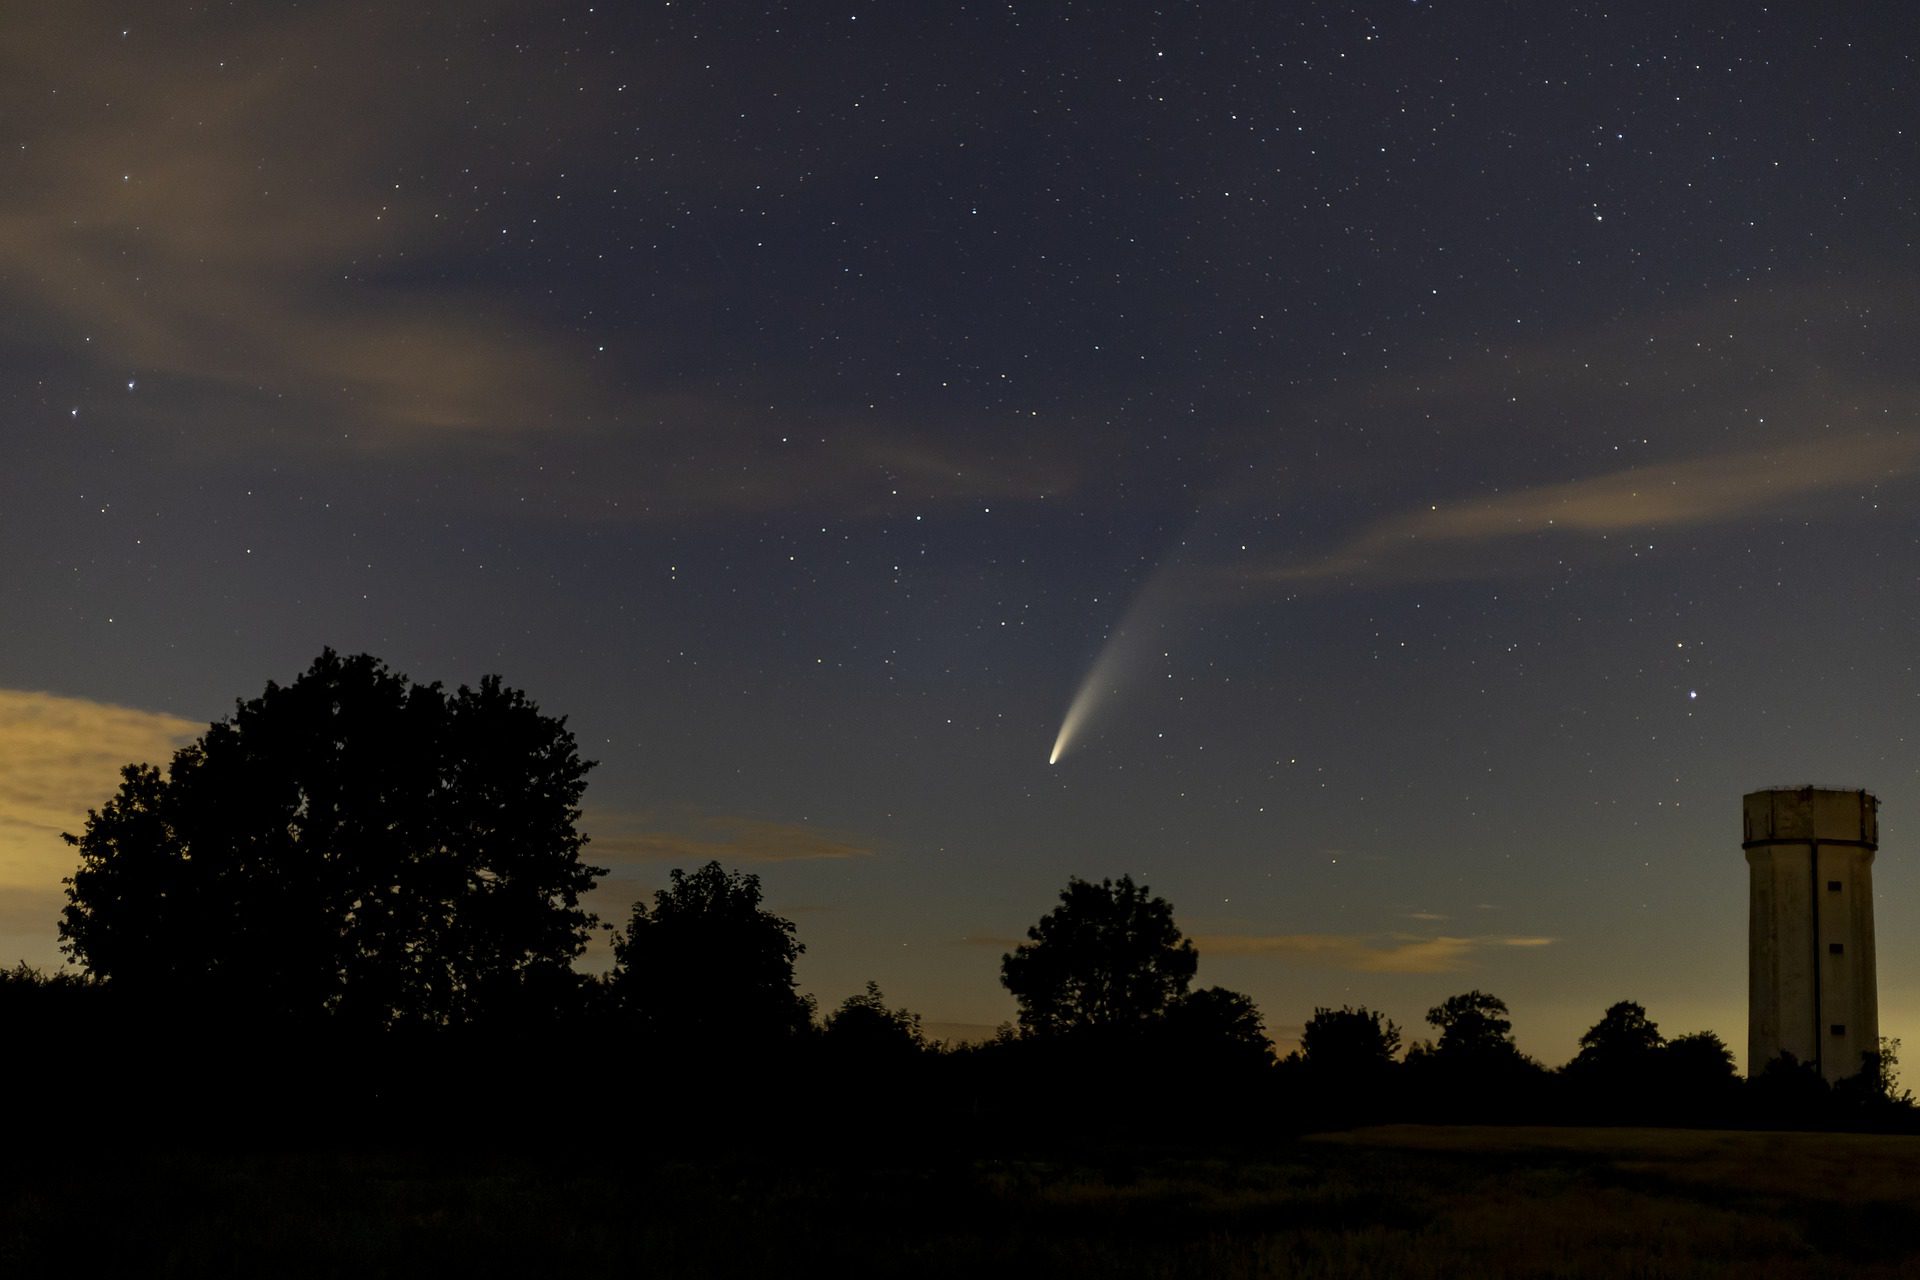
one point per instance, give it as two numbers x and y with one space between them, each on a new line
1836 948
1833 886
1838 1028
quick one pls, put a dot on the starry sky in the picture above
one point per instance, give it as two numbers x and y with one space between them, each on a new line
1443 453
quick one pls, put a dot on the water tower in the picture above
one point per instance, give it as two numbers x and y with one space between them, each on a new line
1810 976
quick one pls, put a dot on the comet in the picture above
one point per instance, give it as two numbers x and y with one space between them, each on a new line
1126 651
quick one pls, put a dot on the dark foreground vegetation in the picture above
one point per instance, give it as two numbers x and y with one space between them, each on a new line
326 1020
1402 1202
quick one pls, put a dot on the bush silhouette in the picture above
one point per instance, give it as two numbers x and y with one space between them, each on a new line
863 1029
707 969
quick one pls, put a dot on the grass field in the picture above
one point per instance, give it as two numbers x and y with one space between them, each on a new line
1396 1201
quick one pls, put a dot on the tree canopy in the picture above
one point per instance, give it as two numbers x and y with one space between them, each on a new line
1348 1042
708 965
1473 1025
351 845
1108 956
1220 1024
1625 1040
864 1027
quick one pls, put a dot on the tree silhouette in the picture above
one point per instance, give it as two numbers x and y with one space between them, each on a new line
863 1027
1476 1072
1109 956
1219 1025
1876 1085
1346 1067
1700 1056
1347 1043
1624 1041
1620 1071
1788 1091
351 845
708 966
1474 1025
1697 1077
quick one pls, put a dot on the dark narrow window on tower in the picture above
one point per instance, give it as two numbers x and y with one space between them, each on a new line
1836 948
1838 1028
1833 886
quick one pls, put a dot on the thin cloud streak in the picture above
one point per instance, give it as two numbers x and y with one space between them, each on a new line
1446 540
1367 953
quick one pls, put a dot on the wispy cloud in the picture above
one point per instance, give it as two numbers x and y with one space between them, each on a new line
60 756
173 210
1366 953
699 840
185 236
1452 538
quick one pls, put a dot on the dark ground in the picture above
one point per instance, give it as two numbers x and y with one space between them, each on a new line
1396 1201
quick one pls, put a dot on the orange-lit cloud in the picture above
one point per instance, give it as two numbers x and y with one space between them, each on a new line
727 840
59 757
1366 953
1452 538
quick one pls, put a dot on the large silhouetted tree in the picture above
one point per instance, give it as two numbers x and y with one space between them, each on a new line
351 845
1108 956
708 968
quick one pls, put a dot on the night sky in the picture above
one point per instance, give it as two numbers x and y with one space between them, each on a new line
1446 452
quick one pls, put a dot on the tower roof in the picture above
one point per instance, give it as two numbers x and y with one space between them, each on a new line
1831 815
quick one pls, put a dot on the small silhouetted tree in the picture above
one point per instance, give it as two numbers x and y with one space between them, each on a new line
1346 1066
1876 1086
1475 1071
707 969
1349 1043
1697 1075
1700 1058
864 1028
1219 1027
1788 1091
350 846
1617 1073
1109 956
1624 1040
1473 1026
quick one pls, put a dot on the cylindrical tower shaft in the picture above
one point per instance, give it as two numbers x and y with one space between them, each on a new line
1810 972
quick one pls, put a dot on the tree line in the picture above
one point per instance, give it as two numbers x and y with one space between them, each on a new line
357 899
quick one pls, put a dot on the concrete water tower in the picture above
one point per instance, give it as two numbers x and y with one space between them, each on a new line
1810 976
